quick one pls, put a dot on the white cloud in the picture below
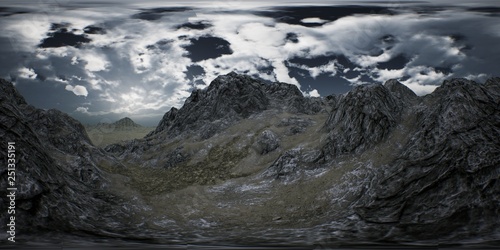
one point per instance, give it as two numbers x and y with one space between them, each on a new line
26 32
387 74
420 89
94 62
257 42
78 90
57 79
84 110
74 60
27 73
313 20
312 93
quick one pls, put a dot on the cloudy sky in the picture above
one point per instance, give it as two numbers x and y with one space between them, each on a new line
103 60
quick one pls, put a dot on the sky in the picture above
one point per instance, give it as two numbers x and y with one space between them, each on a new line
100 61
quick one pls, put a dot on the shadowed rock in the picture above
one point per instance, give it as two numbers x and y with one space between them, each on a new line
60 185
360 119
446 178
400 91
228 99
267 142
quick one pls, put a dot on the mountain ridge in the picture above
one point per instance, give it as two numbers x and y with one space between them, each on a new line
378 164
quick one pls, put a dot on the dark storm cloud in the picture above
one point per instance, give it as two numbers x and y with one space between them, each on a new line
292 37
137 67
163 44
493 11
61 37
5 11
295 14
201 25
444 70
207 47
91 29
425 9
157 13
462 42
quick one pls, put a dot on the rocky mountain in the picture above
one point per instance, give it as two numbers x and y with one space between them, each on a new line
123 124
57 175
126 123
243 160
228 99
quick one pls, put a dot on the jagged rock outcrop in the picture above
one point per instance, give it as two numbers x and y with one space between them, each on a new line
230 98
291 163
60 186
175 157
362 118
227 99
445 181
400 91
387 166
267 142
165 122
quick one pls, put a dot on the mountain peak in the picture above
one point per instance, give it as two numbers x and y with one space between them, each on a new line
125 123
229 98
400 90
362 118
9 92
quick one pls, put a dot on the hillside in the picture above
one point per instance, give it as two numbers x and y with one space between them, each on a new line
247 162
124 129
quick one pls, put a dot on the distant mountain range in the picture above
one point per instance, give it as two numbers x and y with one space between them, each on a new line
122 124
248 162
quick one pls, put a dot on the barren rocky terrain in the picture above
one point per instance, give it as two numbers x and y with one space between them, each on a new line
244 162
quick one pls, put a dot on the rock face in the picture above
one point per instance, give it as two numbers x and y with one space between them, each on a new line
362 118
59 182
444 183
267 142
384 165
400 91
228 99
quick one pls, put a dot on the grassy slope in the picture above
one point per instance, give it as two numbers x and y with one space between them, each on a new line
103 137
220 187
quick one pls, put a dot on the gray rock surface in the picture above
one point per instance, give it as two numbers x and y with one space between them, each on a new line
290 164
444 183
60 185
400 91
361 118
389 166
228 99
267 142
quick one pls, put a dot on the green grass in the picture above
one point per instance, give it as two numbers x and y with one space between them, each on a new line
103 138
